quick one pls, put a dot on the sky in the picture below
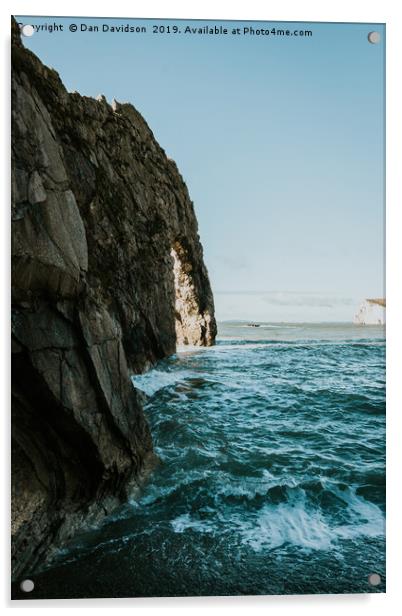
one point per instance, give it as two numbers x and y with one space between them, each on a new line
280 141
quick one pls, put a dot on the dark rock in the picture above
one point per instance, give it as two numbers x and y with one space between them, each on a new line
107 274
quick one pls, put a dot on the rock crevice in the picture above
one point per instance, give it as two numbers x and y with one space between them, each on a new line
107 276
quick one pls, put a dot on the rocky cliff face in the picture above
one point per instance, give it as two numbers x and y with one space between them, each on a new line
371 312
107 272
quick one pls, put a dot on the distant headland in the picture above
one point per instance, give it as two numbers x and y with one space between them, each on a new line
371 312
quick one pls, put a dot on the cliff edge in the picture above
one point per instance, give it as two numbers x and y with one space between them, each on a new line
371 312
107 275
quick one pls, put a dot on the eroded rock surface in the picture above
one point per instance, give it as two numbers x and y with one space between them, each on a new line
106 267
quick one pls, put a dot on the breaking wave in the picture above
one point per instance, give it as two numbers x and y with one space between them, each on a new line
271 475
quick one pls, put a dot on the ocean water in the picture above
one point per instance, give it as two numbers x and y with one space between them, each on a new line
271 477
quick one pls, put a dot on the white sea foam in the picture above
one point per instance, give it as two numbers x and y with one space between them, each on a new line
185 521
293 523
367 519
287 523
250 487
156 379
191 348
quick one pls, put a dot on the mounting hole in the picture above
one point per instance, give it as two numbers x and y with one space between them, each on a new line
374 37
374 579
27 585
27 30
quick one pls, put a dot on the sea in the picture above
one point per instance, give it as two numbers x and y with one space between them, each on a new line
271 474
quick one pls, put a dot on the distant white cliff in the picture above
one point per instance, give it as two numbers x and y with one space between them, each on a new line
371 312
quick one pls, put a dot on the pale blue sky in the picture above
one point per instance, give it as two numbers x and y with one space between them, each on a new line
280 141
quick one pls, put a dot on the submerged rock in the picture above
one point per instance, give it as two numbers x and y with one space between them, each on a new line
107 274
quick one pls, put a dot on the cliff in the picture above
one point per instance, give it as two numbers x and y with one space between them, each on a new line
371 312
107 274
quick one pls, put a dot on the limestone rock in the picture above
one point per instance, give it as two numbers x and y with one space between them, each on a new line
371 312
107 274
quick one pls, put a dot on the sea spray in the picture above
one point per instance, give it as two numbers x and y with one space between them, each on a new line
272 471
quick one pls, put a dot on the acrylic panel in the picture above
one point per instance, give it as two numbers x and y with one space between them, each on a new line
198 308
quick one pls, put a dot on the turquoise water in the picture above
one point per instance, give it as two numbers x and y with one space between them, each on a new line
272 473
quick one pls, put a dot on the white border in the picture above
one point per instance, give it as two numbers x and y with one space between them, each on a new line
292 10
